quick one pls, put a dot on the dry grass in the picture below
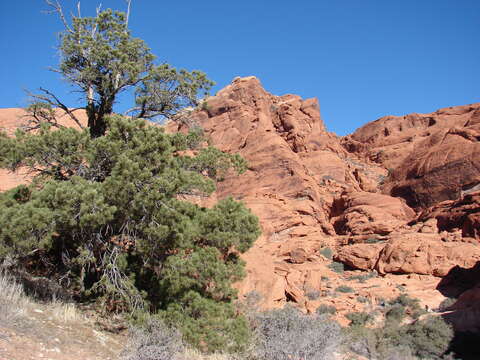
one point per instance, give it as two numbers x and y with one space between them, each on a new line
13 301
193 354
66 313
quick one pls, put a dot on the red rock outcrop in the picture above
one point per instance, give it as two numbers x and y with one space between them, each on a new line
413 253
367 213
463 214
431 157
314 192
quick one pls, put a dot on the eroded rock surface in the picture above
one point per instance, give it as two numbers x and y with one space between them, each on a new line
430 157
319 196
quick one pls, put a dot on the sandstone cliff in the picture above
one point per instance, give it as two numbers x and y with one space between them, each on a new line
371 200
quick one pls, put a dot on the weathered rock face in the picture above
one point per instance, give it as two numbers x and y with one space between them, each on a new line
317 194
414 253
431 157
463 214
296 171
366 213
296 168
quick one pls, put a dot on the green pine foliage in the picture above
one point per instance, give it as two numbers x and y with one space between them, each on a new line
105 216
101 59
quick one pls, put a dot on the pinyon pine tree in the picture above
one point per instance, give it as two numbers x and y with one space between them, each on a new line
105 215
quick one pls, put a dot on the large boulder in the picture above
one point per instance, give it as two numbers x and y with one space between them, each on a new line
368 213
414 253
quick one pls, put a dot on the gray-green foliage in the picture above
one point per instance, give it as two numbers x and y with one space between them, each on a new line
359 318
428 338
327 252
338 267
326 309
344 289
153 341
106 216
287 334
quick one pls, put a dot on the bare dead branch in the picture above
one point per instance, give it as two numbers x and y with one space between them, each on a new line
54 101
128 13
57 8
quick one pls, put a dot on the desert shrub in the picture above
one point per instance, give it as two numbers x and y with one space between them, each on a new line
327 253
406 301
429 338
372 240
287 334
312 294
363 277
337 267
344 289
426 339
153 341
207 324
326 309
395 312
362 299
253 298
446 303
359 318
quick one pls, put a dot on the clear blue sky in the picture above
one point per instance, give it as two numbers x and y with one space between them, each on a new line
362 59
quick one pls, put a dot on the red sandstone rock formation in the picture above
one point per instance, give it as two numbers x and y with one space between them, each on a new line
430 157
313 191
462 214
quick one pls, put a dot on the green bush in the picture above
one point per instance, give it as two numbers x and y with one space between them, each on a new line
429 338
363 277
446 303
312 294
337 267
327 253
344 289
326 309
362 299
359 318
406 301
395 312
426 339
